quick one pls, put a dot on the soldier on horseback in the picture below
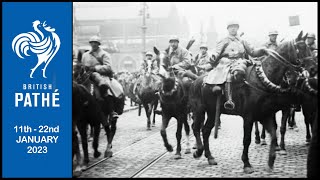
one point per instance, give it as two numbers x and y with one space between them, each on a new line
312 44
203 60
272 43
154 65
144 68
231 57
98 61
179 58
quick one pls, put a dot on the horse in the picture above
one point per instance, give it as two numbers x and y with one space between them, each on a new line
257 98
173 94
82 76
147 92
85 110
307 100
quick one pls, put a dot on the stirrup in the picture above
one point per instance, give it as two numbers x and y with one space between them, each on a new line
229 105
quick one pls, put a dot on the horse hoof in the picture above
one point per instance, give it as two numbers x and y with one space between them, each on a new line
296 129
269 169
263 142
188 151
84 167
277 148
308 140
194 146
212 162
177 156
108 154
153 125
219 127
169 148
257 141
96 154
77 173
283 152
196 156
248 170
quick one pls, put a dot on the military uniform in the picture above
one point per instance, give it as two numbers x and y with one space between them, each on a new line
99 62
271 45
230 52
180 58
232 58
203 61
313 47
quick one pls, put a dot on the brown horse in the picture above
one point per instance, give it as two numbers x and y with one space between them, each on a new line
258 98
173 96
83 77
306 98
147 92
85 110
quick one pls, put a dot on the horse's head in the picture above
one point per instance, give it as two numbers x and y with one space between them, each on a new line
163 61
295 54
296 50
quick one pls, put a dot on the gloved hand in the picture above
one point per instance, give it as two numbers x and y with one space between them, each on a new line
90 68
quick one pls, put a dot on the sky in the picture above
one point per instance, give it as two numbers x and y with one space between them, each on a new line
256 18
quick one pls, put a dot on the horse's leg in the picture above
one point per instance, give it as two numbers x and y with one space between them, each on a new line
113 128
95 143
307 118
76 151
198 119
82 127
148 109
263 136
108 152
187 130
178 136
271 126
257 133
294 124
164 125
155 105
247 129
206 131
285 117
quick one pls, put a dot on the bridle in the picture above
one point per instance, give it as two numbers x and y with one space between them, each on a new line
297 68
79 78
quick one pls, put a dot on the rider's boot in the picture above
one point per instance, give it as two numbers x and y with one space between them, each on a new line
229 104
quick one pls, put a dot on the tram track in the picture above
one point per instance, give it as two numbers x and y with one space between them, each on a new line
126 148
152 162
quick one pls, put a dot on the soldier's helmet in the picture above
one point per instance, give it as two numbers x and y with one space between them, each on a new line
204 46
95 39
233 23
174 38
273 32
149 53
311 35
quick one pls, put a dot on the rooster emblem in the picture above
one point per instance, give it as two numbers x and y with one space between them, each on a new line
44 42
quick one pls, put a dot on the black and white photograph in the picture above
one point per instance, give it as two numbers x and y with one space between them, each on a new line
195 90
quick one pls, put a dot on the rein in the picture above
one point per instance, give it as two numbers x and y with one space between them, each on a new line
276 88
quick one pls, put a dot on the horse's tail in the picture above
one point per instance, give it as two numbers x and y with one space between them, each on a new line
139 112
217 116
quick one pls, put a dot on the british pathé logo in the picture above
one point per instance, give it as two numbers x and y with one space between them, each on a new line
44 43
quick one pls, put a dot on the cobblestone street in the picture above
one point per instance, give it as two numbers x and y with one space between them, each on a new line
134 148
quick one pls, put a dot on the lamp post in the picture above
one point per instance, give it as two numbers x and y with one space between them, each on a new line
145 15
